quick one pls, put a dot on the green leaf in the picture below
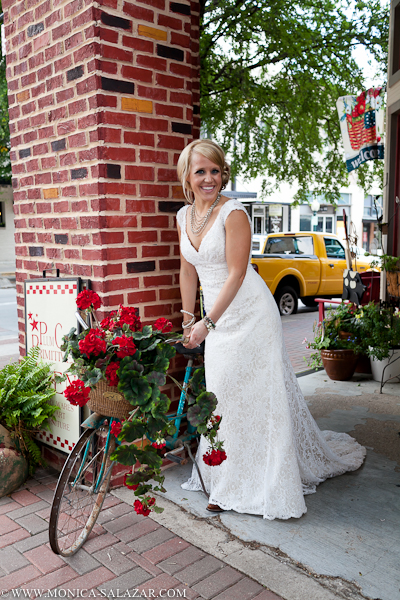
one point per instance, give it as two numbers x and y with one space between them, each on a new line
144 334
126 455
156 377
133 430
201 412
166 351
149 457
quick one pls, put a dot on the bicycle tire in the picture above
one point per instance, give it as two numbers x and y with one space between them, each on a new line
75 500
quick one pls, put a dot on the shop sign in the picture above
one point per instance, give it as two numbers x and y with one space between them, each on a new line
50 306
275 210
362 125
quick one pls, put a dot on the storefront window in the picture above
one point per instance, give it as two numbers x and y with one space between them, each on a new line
369 206
345 199
257 224
305 222
329 224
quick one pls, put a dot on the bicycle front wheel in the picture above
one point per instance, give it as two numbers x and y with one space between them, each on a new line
81 490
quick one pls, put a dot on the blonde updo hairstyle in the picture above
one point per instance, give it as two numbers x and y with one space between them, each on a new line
208 149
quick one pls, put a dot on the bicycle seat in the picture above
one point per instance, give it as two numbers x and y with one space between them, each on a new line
180 348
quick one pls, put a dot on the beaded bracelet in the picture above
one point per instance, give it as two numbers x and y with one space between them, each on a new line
209 323
187 324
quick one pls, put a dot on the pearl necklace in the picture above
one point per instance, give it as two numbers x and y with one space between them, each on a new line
197 224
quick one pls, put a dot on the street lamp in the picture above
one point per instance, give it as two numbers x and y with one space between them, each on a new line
315 205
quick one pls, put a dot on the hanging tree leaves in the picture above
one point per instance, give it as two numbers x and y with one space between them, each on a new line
271 72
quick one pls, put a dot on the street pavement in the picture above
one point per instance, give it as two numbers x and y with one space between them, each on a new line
8 325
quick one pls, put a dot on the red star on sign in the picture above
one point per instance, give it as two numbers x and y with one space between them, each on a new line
34 324
30 316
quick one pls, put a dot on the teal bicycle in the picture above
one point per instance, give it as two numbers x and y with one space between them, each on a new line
85 479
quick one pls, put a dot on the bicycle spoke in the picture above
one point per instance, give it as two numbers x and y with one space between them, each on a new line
80 494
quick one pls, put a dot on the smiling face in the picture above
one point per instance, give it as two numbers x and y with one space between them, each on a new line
205 178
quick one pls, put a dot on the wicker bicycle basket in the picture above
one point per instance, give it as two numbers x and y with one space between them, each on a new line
107 400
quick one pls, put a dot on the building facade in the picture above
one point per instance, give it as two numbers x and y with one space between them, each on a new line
392 162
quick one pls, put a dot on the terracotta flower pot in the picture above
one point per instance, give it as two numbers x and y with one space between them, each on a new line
339 364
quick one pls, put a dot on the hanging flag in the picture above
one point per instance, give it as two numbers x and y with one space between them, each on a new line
361 124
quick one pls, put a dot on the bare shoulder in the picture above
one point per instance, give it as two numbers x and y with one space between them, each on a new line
235 213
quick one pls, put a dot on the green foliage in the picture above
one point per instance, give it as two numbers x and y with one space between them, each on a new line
372 330
385 262
5 164
26 389
271 72
379 328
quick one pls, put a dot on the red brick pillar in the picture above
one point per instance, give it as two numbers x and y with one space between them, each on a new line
102 100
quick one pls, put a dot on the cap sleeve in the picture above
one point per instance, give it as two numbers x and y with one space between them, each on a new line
231 205
181 215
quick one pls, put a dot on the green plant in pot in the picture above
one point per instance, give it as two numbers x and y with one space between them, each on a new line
391 265
337 342
26 389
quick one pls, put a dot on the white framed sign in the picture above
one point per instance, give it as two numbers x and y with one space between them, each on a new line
50 306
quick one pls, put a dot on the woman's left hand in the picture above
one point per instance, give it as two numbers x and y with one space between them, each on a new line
198 334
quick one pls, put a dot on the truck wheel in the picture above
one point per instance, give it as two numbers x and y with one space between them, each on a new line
287 301
310 302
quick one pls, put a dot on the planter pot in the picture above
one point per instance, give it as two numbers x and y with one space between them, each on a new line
14 471
393 370
393 283
339 364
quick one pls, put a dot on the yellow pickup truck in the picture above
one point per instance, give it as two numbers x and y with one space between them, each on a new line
303 265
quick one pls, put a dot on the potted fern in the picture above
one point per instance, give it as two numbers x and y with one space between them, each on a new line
26 389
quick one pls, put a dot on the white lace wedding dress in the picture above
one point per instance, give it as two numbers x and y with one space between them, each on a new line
275 450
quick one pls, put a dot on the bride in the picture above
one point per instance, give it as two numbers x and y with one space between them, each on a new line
275 451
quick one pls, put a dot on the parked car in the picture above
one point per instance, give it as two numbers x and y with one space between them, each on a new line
304 265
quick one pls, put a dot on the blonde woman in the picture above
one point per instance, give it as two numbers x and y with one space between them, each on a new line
275 451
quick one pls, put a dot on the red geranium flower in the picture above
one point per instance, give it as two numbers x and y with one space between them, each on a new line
93 343
111 373
76 393
361 108
163 325
116 427
141 509
159 444
128 316
108 322
214 457
88 298
126 346
131 486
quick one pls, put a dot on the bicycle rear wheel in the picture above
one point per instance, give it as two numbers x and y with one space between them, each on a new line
81 490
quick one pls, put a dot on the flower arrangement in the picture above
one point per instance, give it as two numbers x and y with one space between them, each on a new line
135 359
372 329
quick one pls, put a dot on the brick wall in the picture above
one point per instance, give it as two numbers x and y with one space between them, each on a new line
103 96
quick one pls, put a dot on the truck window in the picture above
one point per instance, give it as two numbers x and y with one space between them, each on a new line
334 248
290 245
